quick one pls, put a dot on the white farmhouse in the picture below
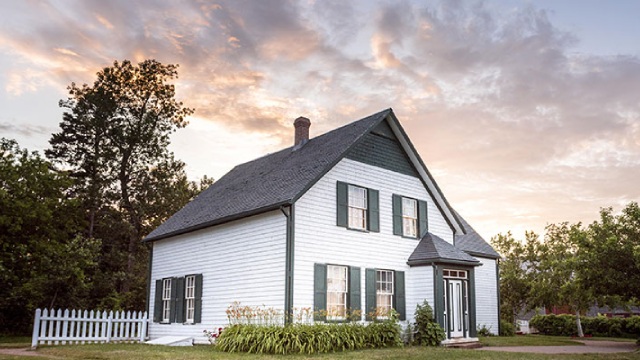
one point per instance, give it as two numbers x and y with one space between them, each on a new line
351 219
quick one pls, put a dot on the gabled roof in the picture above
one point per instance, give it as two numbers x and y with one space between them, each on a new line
279 179
433 249
472 243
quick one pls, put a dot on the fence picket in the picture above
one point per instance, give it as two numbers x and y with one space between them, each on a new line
72 327
65 326
52 324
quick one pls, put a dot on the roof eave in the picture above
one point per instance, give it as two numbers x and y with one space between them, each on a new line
482 255
218 221
442 261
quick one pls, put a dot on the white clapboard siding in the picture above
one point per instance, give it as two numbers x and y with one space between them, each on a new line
243 261
58 327
487 295
419 289
319 240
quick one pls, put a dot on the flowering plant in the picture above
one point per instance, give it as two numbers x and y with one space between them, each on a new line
213 335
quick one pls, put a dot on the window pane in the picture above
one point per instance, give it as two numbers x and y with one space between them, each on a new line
409 208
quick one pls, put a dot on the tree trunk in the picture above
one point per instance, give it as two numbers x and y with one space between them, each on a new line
579 324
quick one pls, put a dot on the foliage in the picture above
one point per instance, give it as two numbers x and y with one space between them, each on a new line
515 280
484 330
573 266
507 328
308 339
114 139
44 261
428 331
611 254
596 326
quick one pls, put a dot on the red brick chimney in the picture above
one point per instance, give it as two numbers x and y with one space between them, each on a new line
301 125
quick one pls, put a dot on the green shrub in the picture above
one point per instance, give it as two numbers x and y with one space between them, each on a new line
507 328
565 325
484 330
308 339
428 331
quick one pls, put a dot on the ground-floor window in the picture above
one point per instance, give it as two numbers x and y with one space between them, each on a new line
190 298
337 290
384 292
166 300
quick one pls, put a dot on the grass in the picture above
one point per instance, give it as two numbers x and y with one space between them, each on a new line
527 340
144 352
14 342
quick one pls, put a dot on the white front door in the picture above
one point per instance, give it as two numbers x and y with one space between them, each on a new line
455 308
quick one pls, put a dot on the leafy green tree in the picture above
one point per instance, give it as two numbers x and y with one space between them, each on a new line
114 138
515 280
558 273
611 254
41 251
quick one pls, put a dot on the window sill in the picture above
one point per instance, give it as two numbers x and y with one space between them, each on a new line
359 230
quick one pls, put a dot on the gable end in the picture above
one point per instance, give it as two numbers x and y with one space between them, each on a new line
381 148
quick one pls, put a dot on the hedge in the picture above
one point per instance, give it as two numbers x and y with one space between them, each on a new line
308 339
565 325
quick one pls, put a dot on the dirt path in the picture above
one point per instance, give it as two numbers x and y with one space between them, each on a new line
590 347
19 352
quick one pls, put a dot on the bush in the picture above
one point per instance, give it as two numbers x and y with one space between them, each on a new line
565 325
507 328
308 339
484 331
428 331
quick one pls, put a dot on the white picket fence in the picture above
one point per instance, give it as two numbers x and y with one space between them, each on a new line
52 327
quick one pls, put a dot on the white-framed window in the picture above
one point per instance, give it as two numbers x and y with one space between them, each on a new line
357 207
190 298
166 300
409 217
454 274
337 290
384 292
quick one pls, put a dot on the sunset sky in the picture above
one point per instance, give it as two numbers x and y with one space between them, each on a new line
525 112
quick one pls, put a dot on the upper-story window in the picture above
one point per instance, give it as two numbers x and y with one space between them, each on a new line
357 207
409 217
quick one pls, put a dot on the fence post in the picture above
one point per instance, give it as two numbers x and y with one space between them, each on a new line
36 329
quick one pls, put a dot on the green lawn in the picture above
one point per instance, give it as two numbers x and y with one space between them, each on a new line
135 351
527 340
14 342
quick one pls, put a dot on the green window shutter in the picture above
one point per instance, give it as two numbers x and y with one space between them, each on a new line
179 315
157 301
342 205
320 292
373 209
439 304
423 225
370 298
197 312
172 304
472 304
399 301
397 214
354 289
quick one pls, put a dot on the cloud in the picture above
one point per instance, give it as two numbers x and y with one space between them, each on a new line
24 129
517 126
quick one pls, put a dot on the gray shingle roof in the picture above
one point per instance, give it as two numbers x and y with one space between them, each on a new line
268 182
432 248
473 243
